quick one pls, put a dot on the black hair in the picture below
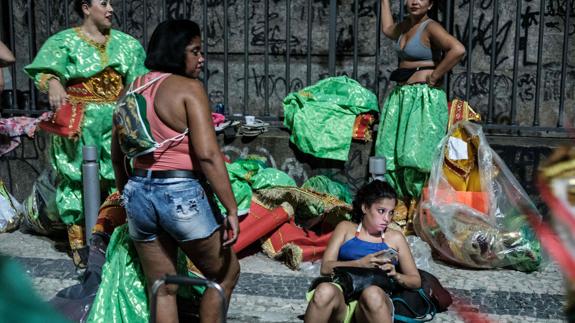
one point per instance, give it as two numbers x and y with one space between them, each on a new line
433 13
78 6
166 50
369 194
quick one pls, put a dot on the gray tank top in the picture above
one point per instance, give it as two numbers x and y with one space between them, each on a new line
414 50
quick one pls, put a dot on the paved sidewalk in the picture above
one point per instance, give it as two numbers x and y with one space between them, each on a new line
270 292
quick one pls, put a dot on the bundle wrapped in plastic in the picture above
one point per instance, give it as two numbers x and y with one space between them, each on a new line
10 210
40 211
473 210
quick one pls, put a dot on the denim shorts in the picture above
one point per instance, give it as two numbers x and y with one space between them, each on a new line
182 207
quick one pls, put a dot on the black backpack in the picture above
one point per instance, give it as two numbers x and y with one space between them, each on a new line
421 305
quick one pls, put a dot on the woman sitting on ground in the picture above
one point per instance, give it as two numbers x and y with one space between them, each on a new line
361 244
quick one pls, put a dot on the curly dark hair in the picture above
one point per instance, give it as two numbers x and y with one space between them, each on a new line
78 6
369 194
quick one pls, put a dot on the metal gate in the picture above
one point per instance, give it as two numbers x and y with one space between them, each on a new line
519 71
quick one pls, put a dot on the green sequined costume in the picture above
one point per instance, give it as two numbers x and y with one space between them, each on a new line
412 123
72 57
321 116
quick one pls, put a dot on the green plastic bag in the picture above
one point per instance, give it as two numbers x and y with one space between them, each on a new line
321 116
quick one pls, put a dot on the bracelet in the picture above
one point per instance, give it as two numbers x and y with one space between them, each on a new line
43 82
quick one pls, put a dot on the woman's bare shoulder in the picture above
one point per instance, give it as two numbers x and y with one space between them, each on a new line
394 236
179 87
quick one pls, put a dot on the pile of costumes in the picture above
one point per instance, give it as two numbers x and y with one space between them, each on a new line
471 212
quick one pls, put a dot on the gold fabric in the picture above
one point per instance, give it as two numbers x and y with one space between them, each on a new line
104 87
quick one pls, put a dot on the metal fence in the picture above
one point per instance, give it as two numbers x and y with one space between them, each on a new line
304 41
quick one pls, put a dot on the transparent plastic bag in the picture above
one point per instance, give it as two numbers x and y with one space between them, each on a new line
40 211
421 252
472 212
10 210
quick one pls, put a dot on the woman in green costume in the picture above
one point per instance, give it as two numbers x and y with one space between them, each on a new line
414 118
88 64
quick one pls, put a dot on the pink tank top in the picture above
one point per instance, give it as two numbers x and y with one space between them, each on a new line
173 154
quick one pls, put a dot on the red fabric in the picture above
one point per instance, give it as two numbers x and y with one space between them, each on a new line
310 244
260 221
110 215
362 127
65 121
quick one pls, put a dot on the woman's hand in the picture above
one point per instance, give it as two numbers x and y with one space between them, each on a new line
56 93
389 268
372 260
430 80
231 230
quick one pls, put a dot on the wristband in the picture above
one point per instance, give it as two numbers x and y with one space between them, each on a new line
44 79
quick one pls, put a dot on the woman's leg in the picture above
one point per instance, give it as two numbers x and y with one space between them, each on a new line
374 306
327 305
218 264
158 258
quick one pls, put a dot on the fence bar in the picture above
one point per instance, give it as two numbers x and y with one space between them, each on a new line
288 46
164 9
355 35
31 104
184 9
125 17
66 13
246 56
49 16
515 63
13 48
226 58
207 61
468 78
539 62
449 26
309 49
145 23
266 56
377 45
332 32
562 94
493 61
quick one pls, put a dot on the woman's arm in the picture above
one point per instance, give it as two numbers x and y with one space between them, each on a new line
389 28
329 260
6 56
119 163
453 49
409 276
207 151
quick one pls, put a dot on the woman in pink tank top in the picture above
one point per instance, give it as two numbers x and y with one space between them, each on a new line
169 195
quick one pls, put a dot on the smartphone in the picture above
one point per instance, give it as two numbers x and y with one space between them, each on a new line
390 255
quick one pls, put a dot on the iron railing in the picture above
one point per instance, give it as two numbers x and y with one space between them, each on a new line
258 51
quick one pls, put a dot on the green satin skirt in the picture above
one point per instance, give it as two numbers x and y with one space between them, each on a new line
66 156
412 123
122 295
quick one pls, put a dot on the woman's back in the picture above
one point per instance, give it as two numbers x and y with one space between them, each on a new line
166 116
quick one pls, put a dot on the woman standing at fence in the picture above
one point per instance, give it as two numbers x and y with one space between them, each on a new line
168 195
88 65
414 117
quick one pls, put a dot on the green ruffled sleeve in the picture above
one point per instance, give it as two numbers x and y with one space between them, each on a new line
52 58
136 68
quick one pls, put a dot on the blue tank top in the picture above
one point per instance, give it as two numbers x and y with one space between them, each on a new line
414 50
355 248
